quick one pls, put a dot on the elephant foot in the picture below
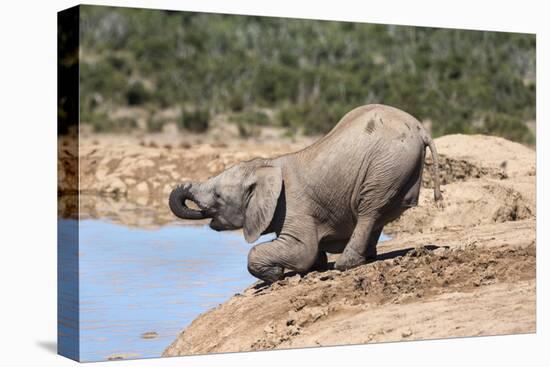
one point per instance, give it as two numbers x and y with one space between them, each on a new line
348 260
269 274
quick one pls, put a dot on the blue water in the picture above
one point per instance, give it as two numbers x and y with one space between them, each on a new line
134 281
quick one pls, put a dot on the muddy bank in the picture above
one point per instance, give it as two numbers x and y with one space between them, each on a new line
466 268
433 284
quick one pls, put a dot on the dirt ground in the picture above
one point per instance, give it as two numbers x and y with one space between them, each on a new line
413 293
461 269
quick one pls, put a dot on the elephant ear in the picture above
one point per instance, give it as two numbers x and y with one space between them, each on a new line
263 192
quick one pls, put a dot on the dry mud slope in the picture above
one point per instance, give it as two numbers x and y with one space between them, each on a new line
466 268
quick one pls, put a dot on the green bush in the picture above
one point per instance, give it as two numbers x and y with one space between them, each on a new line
313 118
507 127
249 121
309 72
137 94
236 102
155 126
101 124
248 131
251 117
196 120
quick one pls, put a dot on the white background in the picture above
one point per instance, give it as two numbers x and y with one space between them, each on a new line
28 184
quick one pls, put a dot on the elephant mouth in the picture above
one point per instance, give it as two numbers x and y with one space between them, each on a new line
216 225
219 225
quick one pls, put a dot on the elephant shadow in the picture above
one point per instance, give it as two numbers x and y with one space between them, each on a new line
402 252
261 285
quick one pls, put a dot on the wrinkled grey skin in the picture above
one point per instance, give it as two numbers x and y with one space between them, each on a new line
333 196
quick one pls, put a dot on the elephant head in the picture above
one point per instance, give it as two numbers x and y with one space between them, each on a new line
244 196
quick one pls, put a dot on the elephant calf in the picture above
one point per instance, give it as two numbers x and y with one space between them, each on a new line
334 196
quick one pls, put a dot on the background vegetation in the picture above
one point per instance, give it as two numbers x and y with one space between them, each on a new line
299 74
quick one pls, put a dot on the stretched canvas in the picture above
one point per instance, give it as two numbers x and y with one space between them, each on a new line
231 183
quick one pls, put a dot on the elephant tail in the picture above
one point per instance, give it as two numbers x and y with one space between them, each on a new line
435 157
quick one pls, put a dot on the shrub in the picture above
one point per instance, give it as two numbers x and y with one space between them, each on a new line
155 125
507 127
248 131
101 123
313 118
196 120
259 118
236 102
310 71
137 94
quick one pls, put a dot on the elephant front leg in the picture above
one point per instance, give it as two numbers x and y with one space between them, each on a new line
263 266
268 260
361 246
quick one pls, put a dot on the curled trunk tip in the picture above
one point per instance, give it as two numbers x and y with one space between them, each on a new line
177 199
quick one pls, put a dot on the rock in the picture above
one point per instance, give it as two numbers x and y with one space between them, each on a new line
167 189
294 280
101 171
139 193
407 333
316 313
215 167
114 186
122 356
293 330
142 200
115 357
149 335
142 188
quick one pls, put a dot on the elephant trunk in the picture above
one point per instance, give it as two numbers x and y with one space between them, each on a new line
177 199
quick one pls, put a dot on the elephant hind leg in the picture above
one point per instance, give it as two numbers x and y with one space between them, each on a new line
371 253
362 244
